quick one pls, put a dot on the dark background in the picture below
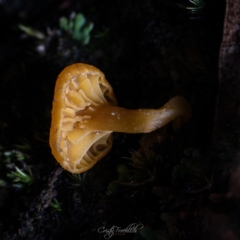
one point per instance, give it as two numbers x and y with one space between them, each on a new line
150 51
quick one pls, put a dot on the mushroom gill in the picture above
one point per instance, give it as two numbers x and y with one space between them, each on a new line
85 114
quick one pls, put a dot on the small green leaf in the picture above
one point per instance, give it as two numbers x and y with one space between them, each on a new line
21 177
123 173
55 205
63 22
31 32
78 27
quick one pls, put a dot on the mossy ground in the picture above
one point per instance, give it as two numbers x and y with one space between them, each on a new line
149 50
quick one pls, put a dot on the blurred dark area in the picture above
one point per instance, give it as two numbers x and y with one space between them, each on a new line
149 51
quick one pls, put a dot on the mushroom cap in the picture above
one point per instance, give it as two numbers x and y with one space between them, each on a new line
80 88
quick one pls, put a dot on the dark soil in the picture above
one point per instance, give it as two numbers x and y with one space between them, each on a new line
150 51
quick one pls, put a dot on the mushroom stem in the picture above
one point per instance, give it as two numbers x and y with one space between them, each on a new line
117 119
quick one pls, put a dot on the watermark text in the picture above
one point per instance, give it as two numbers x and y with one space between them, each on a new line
115 230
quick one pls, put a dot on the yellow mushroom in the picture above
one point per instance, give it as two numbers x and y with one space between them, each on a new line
85 113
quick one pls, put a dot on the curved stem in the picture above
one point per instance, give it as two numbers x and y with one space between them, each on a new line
117 119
